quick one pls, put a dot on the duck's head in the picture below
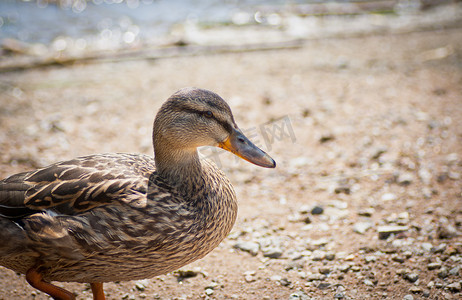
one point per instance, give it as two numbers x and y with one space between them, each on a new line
192 118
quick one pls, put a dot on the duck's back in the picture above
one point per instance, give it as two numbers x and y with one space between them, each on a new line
110 217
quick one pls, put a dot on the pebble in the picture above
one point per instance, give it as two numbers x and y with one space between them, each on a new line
455 287
434 266
455 271
368 282
386 230
325 270
439 249
285 282
323 285
317 210
398 258
295 264
250 247
208 292
344 268
415 290
299 295
405 178
367 212
318 255
407 254
362 227
316 276
446 231
370 258
388 197
426 246
141 284
408 297
443 273
272 252
412 277
330 255
350 257
343 188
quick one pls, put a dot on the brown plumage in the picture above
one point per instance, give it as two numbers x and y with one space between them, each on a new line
114 217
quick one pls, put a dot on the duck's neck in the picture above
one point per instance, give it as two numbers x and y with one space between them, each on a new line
180 168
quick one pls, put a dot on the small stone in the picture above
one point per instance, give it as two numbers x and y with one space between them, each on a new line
323 285
367 212
326 138
355 268
368 282
350 257
299 295
181 274
317 210
412 277
426 246
399 259
330 255
284 282
344 268
388 197
250 247
249 276
208 292
378 152
339 296
408 297
439 249
362 227
318 255
443 273
455 271
272 252
407 254
316 276
439 285
434 265
294 264
415 290
276 278
454 287
386 230
370 258
325 270
446 231
141 284
405 178
343 188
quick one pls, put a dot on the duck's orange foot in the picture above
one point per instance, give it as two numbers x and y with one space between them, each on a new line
35 279
97 289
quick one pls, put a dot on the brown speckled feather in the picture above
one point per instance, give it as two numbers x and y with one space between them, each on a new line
94 212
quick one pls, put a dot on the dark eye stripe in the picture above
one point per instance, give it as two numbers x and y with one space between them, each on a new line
224 124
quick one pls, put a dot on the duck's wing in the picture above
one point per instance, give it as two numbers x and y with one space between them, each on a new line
77 185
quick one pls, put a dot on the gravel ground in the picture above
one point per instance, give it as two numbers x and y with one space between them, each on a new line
366 200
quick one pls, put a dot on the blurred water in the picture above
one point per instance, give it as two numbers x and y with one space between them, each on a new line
113 20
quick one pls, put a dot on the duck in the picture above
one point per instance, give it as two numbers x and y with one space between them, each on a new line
119 216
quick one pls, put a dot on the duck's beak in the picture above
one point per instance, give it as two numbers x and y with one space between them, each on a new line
238 144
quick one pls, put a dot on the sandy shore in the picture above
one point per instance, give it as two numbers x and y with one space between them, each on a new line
367 128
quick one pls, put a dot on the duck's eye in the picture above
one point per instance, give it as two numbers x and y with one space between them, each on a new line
208 114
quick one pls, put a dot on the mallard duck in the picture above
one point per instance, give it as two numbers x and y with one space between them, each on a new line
116 217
